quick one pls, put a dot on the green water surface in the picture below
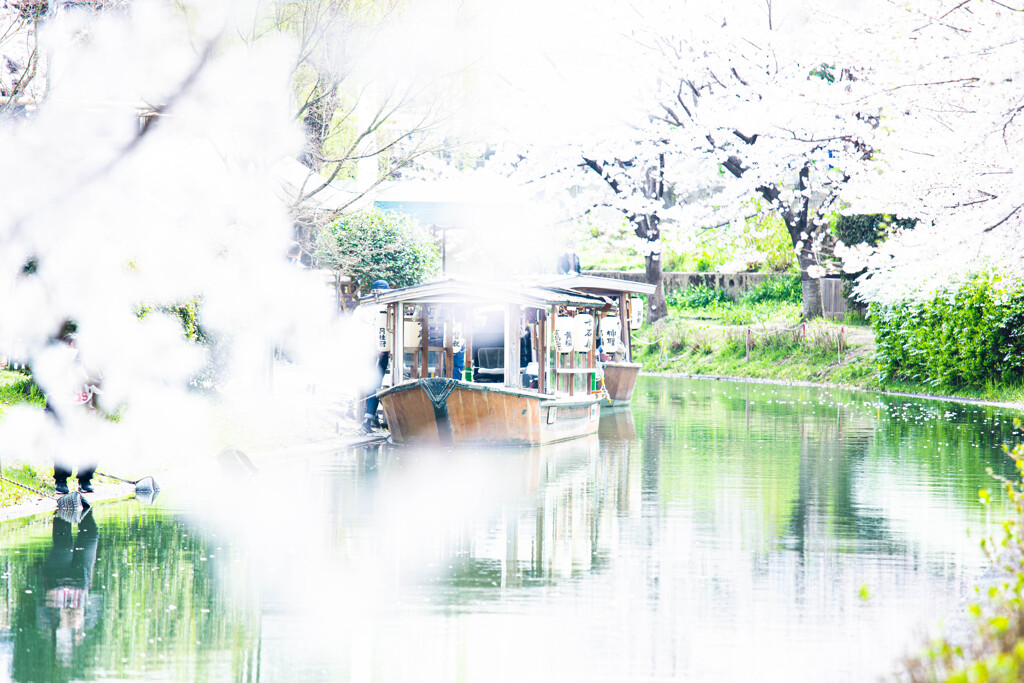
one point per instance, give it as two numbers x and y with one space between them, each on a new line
714 531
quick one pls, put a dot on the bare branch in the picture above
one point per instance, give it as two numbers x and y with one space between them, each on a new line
1008 217
966 81
675 118
596 167
954 9
1009 122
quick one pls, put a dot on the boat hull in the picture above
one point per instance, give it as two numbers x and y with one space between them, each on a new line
450 412
620 381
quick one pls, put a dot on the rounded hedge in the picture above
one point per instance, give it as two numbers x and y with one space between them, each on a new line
374 244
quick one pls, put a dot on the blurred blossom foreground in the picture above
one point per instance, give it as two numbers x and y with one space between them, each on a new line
139 184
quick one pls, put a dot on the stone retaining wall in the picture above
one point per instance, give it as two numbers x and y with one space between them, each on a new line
734 284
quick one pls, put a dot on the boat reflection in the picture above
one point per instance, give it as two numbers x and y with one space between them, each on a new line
565 524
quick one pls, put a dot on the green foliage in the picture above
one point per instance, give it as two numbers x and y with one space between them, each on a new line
373 244
965 337
746 313
824 72
781 353
697 296
675 262
770 299
762 239
871 228
820 340
856 318
186 313
594 256
784 289
771 238
17 387
995 652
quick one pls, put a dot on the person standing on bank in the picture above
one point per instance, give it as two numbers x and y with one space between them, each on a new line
569 262
67 407
370 421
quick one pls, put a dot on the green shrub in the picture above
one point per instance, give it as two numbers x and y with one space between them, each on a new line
865 228
676 337
964 337
702 343
784 289
697 296
373 244
871 228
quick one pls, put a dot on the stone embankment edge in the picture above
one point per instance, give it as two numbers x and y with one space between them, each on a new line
846 387
46 506
280 456
43 508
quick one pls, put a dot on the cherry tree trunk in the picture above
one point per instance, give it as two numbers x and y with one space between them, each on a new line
656 306
810 289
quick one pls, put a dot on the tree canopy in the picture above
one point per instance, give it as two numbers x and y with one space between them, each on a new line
809 108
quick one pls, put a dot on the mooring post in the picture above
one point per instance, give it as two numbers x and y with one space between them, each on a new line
841 330
748 344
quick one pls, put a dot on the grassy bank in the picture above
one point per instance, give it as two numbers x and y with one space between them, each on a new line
762 337
17 388
783 352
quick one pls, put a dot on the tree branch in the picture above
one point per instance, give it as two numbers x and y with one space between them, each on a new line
594 166
1008 217
971 79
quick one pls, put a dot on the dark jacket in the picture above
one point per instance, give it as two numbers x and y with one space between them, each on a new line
568 263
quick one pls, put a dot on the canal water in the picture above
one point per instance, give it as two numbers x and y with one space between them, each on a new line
714 531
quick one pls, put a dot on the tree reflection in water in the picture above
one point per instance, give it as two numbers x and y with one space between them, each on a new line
710 514
131 593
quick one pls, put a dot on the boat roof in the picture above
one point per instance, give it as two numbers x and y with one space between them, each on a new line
598 284
474 292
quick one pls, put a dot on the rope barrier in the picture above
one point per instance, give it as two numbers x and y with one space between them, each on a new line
27 488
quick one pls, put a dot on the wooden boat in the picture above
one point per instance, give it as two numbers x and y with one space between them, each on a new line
504 398
620 381
619 375
440 410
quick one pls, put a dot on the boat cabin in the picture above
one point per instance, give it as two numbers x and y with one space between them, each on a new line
536 338
625 296
620 373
